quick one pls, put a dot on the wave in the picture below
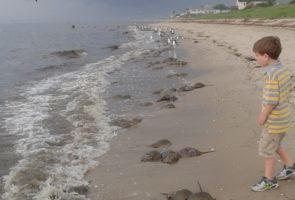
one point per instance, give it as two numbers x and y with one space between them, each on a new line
63 125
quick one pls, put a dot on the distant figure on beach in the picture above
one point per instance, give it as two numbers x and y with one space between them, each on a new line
275 114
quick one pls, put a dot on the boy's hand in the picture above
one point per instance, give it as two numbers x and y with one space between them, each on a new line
262 119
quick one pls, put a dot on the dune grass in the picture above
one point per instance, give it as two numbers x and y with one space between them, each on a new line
280 11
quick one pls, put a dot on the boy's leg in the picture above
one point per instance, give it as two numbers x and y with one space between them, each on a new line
269 167
268 146
288 162
289 166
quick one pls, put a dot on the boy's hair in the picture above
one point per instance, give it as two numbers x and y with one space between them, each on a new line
270 45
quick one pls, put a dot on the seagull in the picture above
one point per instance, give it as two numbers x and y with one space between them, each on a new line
173 43
159 32
169 41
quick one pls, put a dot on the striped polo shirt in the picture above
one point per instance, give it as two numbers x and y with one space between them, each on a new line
276 91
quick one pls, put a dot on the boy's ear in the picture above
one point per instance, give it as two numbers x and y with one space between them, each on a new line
266 56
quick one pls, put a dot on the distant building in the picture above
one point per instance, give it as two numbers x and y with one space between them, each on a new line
201 11
241 4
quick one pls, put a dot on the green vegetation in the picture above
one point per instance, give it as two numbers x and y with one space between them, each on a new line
292 2
272 12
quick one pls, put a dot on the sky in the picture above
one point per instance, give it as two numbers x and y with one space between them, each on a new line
94 10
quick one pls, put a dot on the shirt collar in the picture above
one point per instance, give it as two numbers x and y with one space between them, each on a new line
272 66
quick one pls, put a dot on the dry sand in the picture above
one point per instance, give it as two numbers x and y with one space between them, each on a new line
220 116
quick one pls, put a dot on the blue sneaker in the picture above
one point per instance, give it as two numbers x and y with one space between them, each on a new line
265 184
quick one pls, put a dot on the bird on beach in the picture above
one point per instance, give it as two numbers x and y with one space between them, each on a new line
159 33
173 43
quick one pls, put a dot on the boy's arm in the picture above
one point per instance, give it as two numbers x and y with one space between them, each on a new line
264 114
271 95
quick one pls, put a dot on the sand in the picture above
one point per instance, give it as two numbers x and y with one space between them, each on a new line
221 116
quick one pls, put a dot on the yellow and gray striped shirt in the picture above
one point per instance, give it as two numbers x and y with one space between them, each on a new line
276 91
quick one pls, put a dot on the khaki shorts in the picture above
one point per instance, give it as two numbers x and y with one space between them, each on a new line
269 143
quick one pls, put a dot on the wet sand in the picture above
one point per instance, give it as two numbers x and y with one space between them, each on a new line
220 116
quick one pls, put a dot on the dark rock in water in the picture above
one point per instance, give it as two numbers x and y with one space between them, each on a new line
155 63
137 119
168 91
250 59
151 156
201 196
169 60
168 97
169 156
161 143
125 32
182 194
170 106
146 104
173 89
115 82
70 53
158 91
196 41
125 123
181 63
177 75
73 26
112 47
157 68
81 189
174 61
186 88
199 85
191 152
119 96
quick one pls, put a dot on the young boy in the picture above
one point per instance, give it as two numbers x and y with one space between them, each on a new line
275 113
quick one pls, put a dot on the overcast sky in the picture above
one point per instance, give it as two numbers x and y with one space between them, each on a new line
94 10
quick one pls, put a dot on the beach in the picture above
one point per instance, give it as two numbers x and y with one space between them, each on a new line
220 117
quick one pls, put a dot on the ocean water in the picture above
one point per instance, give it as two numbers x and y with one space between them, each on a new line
56 111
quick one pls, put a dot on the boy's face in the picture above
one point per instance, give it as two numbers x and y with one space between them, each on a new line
263 60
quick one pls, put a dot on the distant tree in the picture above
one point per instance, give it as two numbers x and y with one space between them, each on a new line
220 7
268 2
271 2
292 2
251 4
233 8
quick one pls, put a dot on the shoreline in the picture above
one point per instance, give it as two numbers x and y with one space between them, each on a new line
220 116
287 23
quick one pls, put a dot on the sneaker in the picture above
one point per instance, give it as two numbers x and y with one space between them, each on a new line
265 184
286 173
